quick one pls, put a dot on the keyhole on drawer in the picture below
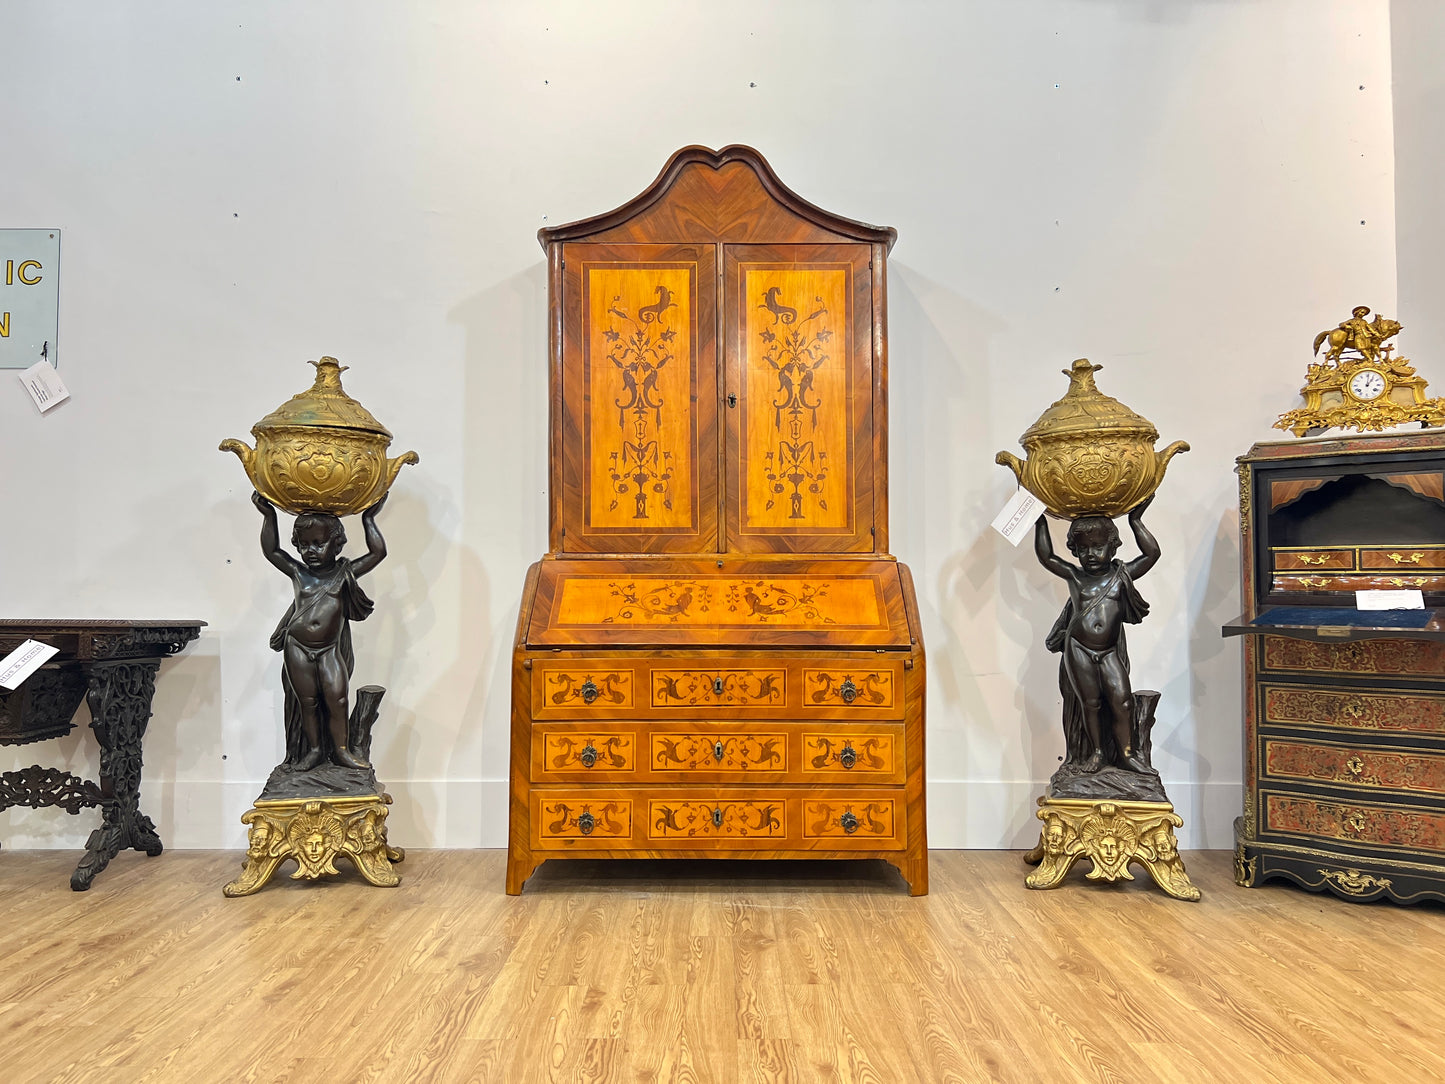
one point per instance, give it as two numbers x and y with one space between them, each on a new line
717 750
717 817
717 686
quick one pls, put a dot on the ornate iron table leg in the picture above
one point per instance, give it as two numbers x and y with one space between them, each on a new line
119 695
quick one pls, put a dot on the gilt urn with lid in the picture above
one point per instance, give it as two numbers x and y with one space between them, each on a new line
320 451
1089 454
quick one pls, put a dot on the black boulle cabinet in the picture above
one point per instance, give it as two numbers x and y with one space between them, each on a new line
1344 709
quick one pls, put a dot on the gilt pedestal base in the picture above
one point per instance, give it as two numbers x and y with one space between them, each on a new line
315 832
1111 835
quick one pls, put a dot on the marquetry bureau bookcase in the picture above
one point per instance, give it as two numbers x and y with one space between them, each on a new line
717 658
1344 709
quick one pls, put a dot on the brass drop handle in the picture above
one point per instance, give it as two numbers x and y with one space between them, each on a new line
717 686
589 691
588 756
717 817
587 822
848 691
849 756
717 750
849 822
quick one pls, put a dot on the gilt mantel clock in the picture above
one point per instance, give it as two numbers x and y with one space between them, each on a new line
718 657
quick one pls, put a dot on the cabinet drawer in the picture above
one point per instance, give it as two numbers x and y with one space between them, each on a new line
680 751
1403 558
1368 824
1317 582
1423 658
840 690
579 691
1353 709
1408 770
727 687
1337 560
722 818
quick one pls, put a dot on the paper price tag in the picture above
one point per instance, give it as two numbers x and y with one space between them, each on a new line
24 661
1018 516
1390 600
44 385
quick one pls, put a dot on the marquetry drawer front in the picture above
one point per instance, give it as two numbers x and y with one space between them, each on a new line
570 820
572 753
1351 709
860 690
706 819
723 687
751 754
1403 558
1423 658
1337 560
846 821
1365 823
868 754
1414 771
580 692
716 821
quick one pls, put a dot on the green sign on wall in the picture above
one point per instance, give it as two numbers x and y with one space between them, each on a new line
29 297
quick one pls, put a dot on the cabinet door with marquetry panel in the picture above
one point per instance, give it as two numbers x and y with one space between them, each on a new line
639 399
799 380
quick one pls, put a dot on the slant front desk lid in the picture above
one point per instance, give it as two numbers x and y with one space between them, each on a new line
642 602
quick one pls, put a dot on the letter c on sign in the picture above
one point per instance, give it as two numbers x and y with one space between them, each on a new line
20 272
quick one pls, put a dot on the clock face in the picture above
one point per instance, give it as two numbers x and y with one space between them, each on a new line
1367 384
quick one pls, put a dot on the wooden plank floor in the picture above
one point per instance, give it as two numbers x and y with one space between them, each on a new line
692 971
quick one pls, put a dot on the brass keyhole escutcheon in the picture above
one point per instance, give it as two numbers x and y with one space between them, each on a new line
849 756
848 691
1355 766
717 686
588 756
849 822
586 823
717 817
717 750
589 691
733 400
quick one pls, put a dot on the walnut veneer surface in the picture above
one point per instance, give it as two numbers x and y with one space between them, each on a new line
1344 724
718 656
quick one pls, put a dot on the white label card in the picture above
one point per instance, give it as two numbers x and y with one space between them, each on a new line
44 385
1390 600
1018 516
24 661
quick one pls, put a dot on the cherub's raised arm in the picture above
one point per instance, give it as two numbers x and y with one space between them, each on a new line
1044 551
375 544
1147 543
271 537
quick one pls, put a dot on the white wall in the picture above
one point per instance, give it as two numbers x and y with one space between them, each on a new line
1417 35
1183 191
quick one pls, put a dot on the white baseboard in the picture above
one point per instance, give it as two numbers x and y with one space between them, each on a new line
462 814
